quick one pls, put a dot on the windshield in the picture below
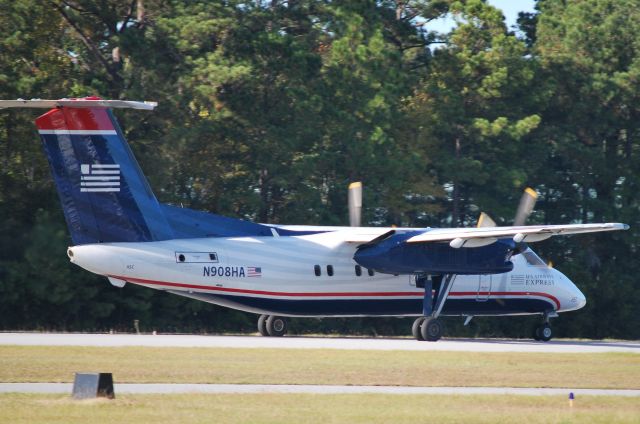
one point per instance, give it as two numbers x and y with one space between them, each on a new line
533 259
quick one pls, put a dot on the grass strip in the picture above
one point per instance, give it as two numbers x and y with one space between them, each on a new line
297 408
330 366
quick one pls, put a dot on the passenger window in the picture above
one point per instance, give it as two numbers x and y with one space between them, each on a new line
317 270
371 272
358 270
330 270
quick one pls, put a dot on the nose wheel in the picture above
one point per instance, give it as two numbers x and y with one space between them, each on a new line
271 325
542 333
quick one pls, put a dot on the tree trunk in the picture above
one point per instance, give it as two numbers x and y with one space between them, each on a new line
455 216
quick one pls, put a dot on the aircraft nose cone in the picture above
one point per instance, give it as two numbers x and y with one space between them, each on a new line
572 299
578 300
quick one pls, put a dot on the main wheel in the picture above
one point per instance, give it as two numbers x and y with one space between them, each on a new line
431 329
415 329
545 333
262 325
276 326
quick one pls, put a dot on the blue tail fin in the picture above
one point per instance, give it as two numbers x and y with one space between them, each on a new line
104 195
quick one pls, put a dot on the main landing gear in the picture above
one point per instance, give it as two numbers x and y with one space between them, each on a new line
543 332
428 327
271 325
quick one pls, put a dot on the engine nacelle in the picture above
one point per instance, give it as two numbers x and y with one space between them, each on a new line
394 256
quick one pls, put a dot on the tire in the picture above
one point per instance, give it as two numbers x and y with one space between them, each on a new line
262 325
431 329
545 333
276 326
415 329
535 333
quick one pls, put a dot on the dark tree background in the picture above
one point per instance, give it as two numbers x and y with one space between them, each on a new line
268 109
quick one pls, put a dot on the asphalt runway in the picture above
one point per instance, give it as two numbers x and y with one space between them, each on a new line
295 342
62 388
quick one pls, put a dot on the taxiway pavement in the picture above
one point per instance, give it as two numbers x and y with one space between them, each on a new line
295 342
127 388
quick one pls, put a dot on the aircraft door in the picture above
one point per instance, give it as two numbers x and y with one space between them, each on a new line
484 288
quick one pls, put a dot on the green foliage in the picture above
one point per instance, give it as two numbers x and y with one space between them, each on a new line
269 109
473 110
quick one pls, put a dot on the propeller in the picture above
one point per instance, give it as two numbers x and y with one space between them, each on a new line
485 221
355 204
525 208
527 203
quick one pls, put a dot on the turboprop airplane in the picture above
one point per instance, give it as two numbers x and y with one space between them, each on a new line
121 231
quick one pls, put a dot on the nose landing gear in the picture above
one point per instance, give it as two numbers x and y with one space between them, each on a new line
543 332
271 325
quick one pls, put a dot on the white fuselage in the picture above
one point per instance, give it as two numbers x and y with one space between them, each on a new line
278 275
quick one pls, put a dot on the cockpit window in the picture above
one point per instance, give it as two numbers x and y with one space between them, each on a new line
533 259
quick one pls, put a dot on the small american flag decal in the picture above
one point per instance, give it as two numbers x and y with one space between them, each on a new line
253 271
100 178
517 280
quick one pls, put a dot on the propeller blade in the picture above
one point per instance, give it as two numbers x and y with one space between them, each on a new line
485 221
355 204
527 203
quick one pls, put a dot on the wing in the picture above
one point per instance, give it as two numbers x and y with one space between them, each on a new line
482 236
477 237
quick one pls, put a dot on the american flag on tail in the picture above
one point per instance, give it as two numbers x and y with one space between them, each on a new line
100 177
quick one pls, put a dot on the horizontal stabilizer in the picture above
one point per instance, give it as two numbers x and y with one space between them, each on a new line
77 103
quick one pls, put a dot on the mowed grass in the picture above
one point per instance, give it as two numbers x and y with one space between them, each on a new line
321 366
304 408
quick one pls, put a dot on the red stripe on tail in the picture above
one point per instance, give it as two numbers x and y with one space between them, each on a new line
74 119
